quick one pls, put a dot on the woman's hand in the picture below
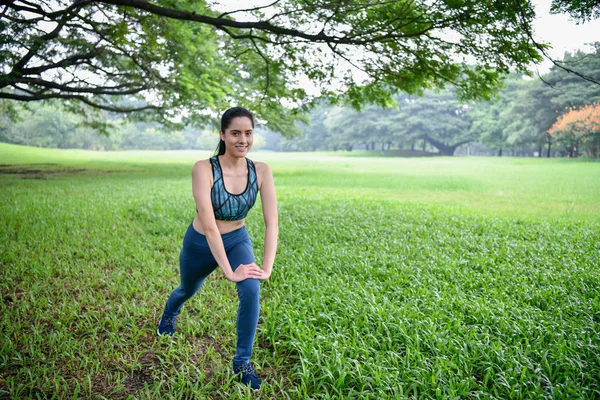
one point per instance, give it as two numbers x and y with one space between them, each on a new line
264 275
245 271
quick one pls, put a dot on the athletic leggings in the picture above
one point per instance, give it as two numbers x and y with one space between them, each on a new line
196 262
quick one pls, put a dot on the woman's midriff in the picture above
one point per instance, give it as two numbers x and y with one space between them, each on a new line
223 226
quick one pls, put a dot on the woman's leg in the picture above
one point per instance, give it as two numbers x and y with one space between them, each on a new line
192 273
195 264
248 309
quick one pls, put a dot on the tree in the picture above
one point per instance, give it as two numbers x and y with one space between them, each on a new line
438 118
532 106
530 113
372 125
581 10
43 126
577 127
489 126
504 123
313 133
5 118
182 59
568 90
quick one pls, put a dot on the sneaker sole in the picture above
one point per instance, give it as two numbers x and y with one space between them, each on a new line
163 334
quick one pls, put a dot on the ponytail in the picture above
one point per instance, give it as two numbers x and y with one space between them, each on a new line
220 150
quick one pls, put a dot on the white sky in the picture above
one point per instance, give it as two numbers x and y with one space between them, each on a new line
562 32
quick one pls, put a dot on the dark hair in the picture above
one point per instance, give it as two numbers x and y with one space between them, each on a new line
226 119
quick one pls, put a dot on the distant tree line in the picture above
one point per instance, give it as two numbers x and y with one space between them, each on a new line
522 120
557 115
47 124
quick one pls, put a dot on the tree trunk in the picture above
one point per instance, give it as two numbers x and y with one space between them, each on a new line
444 149
571 149
549 147
500 152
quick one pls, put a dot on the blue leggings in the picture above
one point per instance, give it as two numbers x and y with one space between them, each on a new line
196 262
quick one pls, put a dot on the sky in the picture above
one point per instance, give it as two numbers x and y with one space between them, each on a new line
562 32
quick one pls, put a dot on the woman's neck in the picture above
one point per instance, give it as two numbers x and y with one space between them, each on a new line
231 162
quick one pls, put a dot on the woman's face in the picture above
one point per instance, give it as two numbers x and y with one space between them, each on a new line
238 136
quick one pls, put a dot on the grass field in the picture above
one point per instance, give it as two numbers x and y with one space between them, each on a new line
395 278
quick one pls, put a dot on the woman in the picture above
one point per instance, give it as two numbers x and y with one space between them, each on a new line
225 188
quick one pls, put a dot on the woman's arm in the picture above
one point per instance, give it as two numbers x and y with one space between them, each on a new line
269 206
201 186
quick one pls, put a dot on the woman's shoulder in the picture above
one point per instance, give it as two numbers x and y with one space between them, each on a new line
261 167
202 165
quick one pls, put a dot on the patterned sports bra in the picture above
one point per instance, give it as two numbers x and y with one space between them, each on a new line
227 206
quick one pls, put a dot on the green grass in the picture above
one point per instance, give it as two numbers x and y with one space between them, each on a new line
395 278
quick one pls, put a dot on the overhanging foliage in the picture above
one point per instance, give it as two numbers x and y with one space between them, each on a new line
181 59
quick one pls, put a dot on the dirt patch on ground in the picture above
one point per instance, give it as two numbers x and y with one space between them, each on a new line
137 380
133 383
46 170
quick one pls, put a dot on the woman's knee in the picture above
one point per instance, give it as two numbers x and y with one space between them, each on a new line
190 287
249 289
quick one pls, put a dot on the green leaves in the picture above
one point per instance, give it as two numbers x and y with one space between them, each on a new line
184 59
582 10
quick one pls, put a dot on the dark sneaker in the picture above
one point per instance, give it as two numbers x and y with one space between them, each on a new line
166 326
248 375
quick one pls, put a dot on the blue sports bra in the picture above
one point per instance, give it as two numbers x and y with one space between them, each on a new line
227 206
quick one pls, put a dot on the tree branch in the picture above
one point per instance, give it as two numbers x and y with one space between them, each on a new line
260 25
442 146
4 11
33 10
248 36
545 53
249 9
335 51
108 90
108 73
63 63
38 43
265 92
13 96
